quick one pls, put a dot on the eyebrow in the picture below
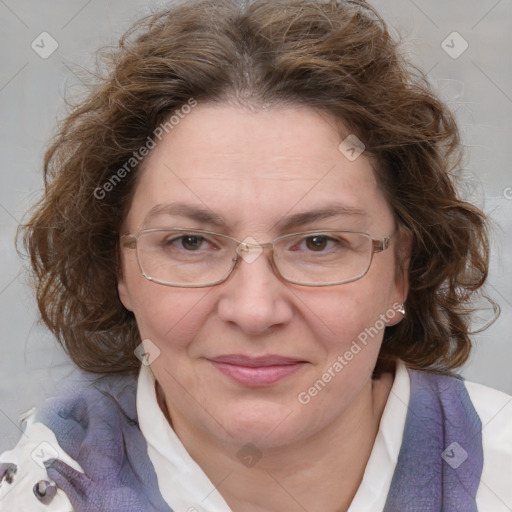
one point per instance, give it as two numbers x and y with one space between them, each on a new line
189 211
205 216
326 212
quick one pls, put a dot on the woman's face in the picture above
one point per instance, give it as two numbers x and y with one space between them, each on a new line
254 170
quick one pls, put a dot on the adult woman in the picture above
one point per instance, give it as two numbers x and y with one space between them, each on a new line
220 133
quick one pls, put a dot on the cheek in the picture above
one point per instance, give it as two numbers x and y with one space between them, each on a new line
348 328
164 313
349 324
341 315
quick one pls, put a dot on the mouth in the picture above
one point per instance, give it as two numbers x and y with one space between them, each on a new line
257 371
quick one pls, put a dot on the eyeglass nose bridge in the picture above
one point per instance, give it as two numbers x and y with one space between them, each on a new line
250 250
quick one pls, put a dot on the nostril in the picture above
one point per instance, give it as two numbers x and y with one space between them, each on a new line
7 470
44 491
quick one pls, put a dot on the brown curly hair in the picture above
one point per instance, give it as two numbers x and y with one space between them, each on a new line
335 57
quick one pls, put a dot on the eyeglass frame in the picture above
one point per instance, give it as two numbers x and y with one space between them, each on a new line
129 241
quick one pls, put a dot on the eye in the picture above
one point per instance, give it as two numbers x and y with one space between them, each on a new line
190 243
319 243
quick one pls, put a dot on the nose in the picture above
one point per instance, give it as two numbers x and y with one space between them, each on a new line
254 298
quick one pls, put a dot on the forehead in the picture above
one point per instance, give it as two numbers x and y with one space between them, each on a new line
255 166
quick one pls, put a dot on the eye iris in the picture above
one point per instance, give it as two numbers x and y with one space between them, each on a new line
191 242
316 242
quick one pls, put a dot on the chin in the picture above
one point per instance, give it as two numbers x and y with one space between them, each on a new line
266 425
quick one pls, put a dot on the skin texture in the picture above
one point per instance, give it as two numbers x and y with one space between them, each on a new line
253 168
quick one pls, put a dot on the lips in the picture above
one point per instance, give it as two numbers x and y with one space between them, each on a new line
257 371
253 362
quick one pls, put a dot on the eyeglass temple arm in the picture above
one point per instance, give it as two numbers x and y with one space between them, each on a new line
128 241
383 244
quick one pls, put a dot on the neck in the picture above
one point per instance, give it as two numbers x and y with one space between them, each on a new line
332 462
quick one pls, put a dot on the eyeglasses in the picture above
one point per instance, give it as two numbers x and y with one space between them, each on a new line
193 258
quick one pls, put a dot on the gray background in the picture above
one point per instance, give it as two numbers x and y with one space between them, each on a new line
477 85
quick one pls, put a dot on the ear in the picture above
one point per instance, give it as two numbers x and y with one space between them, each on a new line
122 286
123 293
403 248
